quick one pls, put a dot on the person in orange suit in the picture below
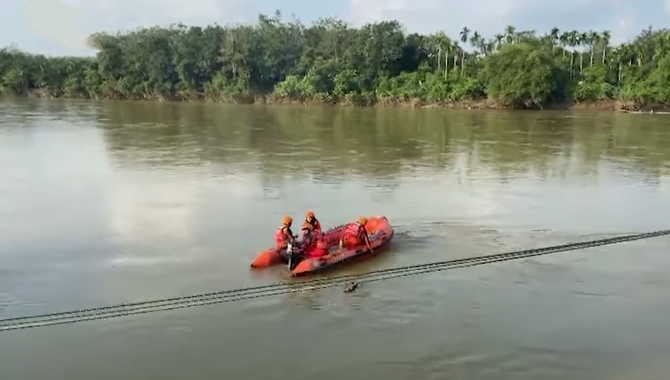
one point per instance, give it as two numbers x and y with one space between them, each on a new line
284 235
314 243
319 249
308 238
356 234
311 219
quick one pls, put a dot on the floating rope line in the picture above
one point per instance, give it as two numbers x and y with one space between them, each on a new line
174 303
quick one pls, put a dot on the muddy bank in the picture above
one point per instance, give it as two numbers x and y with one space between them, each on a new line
354 101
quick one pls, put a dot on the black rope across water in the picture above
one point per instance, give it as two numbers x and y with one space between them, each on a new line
174 303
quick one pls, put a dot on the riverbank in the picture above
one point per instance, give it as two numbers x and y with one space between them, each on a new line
481 104
375 65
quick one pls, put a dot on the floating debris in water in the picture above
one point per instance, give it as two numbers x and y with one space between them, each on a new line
351 287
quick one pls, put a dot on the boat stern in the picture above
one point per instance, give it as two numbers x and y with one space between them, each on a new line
266 259
306 266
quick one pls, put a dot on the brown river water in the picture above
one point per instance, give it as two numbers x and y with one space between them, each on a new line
108 202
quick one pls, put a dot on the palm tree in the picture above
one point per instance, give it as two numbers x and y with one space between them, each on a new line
499 39
439 56
554 36
618 56
565 42
454 49
457 50
573 41
526 36
639 53
605 39
465 34
443 44
490 46
476 42
593 39
582 38
510 33
446 63
627 53
615 59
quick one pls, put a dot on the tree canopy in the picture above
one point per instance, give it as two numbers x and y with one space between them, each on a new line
331 61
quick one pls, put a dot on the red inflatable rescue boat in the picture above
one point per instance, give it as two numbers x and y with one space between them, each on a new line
380 234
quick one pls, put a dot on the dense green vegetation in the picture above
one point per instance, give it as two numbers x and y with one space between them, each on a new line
331 61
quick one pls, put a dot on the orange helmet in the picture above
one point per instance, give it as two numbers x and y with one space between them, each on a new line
307 226
287 220
363 220
309 215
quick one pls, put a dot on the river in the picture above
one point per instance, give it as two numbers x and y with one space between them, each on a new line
107 202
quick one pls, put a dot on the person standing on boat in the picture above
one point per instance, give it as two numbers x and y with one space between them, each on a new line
311 219
356 235
284 235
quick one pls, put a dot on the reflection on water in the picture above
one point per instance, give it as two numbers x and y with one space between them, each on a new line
383 143
105 202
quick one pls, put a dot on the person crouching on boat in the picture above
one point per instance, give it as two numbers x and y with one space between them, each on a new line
314 243
284 235
356 235
311 219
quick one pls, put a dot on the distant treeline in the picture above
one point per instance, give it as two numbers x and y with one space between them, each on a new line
331 61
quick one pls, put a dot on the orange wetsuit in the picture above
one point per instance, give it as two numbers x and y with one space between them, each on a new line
311 219
318 248
355 235
283 236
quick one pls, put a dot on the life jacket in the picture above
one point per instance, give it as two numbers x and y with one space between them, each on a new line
315 224
319 248
321 244
309 239
282 236
356 229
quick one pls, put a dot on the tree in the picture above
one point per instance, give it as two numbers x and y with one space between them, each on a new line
333 61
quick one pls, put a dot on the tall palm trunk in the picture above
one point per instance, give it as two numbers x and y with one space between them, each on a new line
446 65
